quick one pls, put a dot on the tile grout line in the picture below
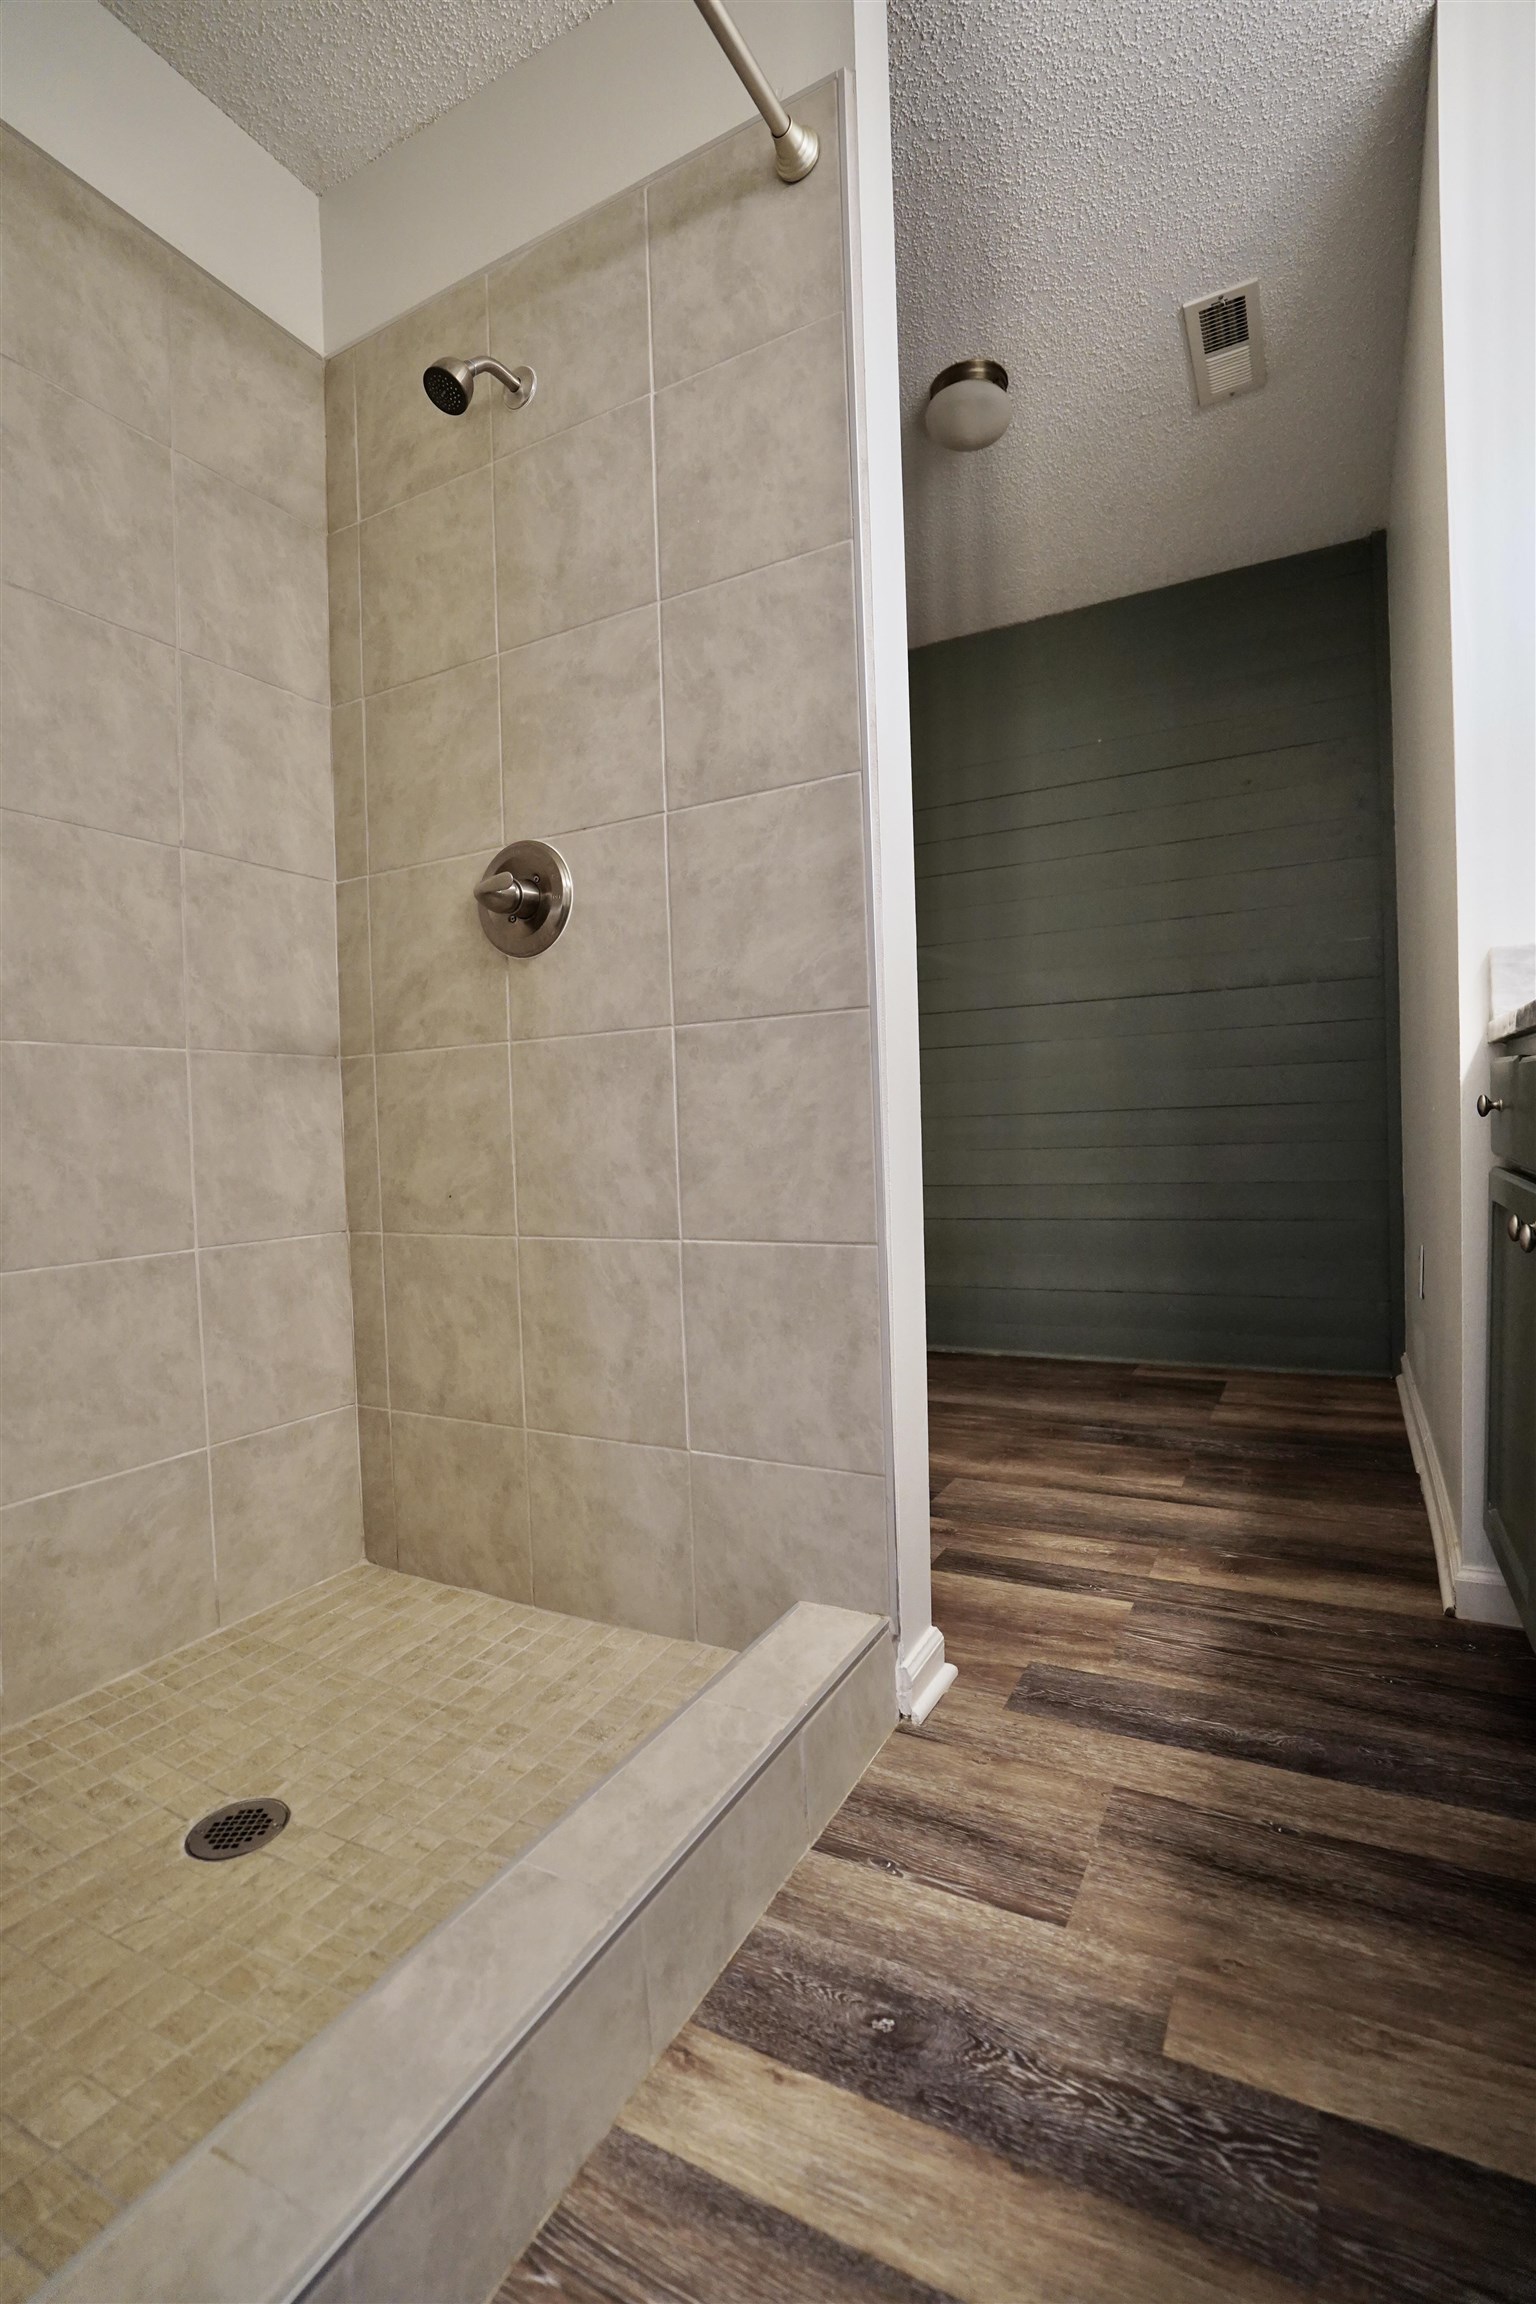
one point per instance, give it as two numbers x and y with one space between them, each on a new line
373 1068
186 1007
666 858
185 1456
460 1047
501 796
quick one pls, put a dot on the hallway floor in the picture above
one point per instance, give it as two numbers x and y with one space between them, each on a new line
1188 1952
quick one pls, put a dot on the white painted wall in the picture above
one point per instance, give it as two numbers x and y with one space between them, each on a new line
923 1674
1462 578
608 103
78 83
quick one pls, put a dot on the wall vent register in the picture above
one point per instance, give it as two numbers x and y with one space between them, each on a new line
1225 332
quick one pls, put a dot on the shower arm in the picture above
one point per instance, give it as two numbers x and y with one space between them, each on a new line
795 148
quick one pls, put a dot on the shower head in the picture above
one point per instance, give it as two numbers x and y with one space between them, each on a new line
450 384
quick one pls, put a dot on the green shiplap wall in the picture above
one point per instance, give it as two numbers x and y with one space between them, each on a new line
1157 954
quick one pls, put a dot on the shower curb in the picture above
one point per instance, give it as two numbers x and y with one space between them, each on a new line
409 2152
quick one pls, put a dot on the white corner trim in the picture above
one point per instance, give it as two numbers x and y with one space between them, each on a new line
83 88
1483 1597
1437 1498
922 1677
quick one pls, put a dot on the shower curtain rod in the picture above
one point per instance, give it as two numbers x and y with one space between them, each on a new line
795 148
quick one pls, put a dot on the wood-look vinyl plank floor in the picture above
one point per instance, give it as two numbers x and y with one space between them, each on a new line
1187 1952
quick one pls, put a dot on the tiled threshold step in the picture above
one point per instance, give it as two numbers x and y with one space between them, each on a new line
410 2151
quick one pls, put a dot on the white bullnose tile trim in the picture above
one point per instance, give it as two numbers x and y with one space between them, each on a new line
427 2132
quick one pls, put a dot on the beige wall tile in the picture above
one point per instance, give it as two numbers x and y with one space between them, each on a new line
716 1896
602 1339
667 1791
404 444
575 526
434 767
776 1129
82 289
266 1133
461 1504
101 1371
250 583
260 971
782 409
349 792
843 1737
246 397
581 725
341 440
378 1472
369 1345
427 579
87 508
609 971
62 983
438 981
354 965
287 1511
732 260
610 1529
762 680
102 1579
454 1344
784 1354
94 1152
360 1141
344 614
256 771
445 1141
734 953
767 1535
595 1135
277 1333
87 720
574 308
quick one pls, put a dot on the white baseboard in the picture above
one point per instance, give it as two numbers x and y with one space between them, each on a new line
1437 1497
922 1677
1477 1595
1483 1597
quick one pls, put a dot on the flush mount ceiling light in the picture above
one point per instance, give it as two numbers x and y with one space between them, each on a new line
968 404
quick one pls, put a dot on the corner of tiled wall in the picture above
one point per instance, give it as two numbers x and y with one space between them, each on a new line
178 1423
613 1208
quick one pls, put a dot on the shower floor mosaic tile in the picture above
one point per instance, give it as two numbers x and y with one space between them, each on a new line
422 1737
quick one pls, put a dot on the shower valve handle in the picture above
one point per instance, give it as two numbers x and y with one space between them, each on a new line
513 898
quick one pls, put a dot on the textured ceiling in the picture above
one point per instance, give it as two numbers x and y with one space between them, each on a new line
1067 173
327 85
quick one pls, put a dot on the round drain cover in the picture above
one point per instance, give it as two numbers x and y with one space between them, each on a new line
236 1830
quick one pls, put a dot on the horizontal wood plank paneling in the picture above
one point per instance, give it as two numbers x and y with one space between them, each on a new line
1155 967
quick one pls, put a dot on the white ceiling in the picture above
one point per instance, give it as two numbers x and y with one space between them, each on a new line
1067 173
327 85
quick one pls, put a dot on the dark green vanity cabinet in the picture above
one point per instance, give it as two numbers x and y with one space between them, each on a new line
1509 1512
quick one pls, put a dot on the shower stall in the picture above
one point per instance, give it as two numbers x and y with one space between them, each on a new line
449 1551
